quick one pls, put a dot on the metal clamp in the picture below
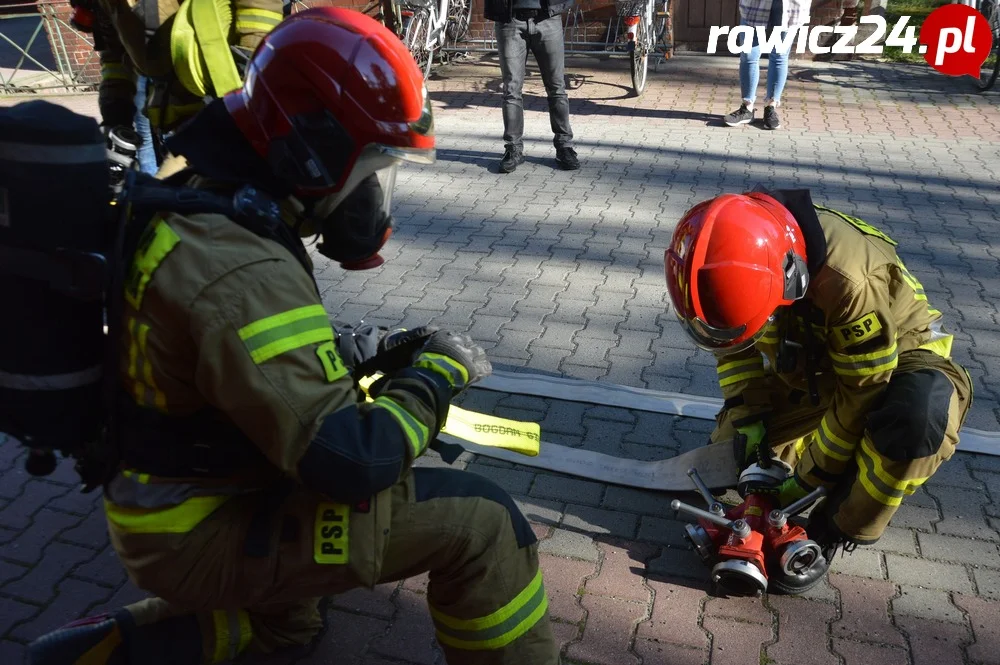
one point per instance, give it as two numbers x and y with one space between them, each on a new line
714 506
778 518
738 527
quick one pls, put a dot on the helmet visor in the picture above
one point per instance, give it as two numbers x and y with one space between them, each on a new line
387 181
720 341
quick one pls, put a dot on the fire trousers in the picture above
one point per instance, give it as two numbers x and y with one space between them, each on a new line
250 577
911 432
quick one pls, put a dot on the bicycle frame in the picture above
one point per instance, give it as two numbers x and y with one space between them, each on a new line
632 26
437 13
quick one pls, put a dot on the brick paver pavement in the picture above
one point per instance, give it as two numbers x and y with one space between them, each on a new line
562 273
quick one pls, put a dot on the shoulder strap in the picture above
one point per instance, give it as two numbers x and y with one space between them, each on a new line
248 207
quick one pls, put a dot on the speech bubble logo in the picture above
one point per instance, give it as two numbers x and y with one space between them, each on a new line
956 40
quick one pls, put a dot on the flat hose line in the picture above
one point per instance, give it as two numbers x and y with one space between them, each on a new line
714 462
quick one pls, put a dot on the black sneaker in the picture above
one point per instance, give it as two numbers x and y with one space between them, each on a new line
511 158
567 160
740 116
771 119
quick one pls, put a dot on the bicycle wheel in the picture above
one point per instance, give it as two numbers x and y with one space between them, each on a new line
415 35
660 20
459 19
988 75
640 56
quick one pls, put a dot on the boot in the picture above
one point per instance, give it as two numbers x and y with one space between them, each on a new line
97 640
114 639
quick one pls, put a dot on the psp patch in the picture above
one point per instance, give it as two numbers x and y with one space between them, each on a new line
857 331
330 538
333 367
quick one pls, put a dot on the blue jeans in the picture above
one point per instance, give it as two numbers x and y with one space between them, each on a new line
147 154
777 65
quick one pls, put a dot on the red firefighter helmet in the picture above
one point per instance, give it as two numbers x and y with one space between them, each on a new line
331 97
732 261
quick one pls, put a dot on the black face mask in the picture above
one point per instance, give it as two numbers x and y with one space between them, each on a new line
358 228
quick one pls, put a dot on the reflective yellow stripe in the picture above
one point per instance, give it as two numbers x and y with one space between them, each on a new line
416 432
878 483
232 634
865 364
859 224
155 245
251 19
265 14
246 632
221 624
745 376
133 354
254 26
174 114
140 370
281 333
725 368
175 519
832 445
115 71
136 476
453 371
800 446
740 370
941 346
159 399
498 629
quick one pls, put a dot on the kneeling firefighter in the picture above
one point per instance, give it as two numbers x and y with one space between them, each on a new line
859 394
255 476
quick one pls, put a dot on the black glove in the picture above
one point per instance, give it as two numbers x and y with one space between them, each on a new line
456 349
394 351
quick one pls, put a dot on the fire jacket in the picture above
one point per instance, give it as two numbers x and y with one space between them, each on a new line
139 38
225 336
862 309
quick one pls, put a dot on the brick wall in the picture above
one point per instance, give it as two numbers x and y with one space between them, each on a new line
70 48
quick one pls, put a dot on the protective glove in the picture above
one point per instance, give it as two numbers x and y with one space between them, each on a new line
747 443
785 493
392 351
456 357
357 343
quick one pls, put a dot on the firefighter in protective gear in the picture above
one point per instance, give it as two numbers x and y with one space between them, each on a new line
256 479
190 50
859 393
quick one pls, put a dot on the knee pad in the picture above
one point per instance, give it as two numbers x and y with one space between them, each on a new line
912 418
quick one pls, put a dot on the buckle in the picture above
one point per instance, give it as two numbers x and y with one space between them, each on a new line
201 462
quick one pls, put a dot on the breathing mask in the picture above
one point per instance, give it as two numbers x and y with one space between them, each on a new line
354 228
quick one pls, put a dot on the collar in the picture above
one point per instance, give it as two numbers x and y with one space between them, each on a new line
799 203
215 149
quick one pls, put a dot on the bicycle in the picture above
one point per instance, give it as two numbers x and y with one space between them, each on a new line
386 12
428 24
988 75
647 23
